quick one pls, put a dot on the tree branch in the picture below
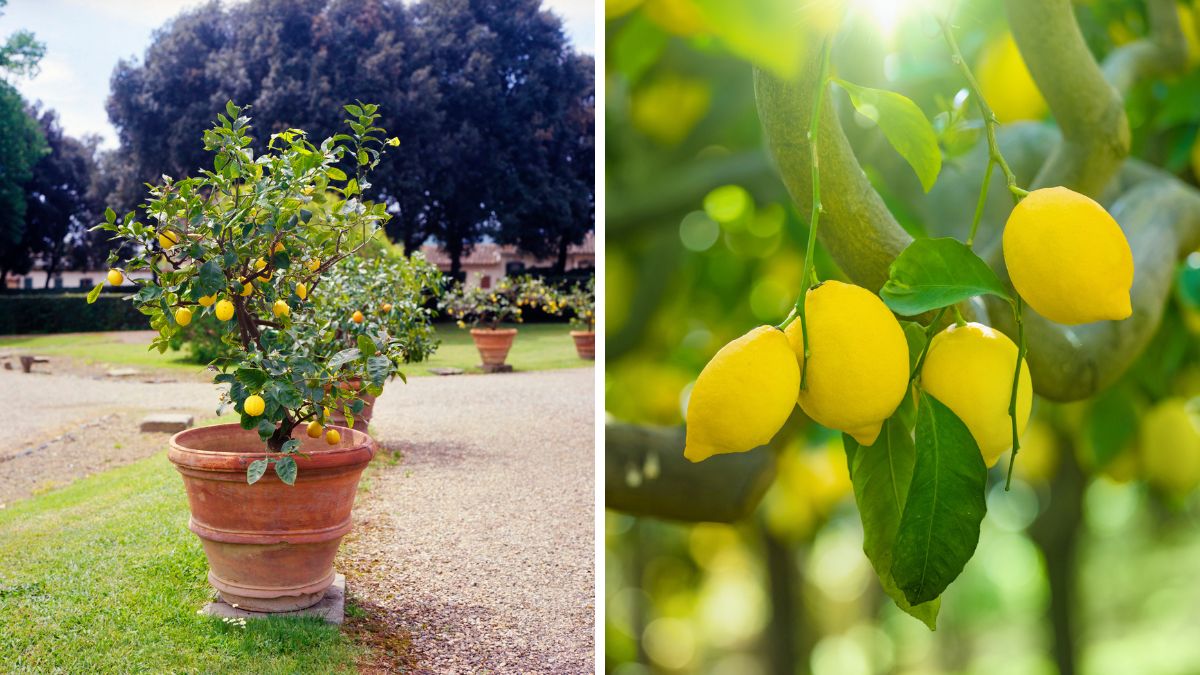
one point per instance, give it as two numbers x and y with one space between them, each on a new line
1089 111
1164 51
859 232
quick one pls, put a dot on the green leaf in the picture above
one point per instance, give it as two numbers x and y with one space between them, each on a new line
343 357
366 345
256 470
335 173
933 273
290 446
357 405
265 428
253 378
211 278
763 33
881 474
110 216
95 293
939 528
285 468
904 125
378 368
914 334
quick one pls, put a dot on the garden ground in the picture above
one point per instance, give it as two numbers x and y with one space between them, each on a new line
474 548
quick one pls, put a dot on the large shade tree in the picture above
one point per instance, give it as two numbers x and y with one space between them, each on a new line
472 88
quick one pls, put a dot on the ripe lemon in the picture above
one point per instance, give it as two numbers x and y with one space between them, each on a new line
743 396
281 308
969 368
247 289
314 265
387 307
115 278
314 429
207 300
858 372
183 316
224 310
301 290
1068 258
168 239
333 437
357 317
1170 445
1006 83
277 248
254 405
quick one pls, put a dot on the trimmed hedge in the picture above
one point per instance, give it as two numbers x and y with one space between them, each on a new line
67 313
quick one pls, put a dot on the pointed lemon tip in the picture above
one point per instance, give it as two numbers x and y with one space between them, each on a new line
1122 309
866 435
694 453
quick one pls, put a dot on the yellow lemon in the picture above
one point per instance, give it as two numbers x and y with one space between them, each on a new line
858 372
281 308
1006 83
314 429
1068 258
207 300
743 396
115 278
278 247
328 413
314 265
969 368
1037 461
333 437
357 317
254 405
183 316
301 291
224 310
247 289
1169 446
167 239
387 307
260 263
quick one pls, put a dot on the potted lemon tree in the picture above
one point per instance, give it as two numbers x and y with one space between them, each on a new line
249 241
483 310
385 297
579 304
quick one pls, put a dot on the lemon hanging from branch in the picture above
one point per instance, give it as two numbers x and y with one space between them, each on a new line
743 396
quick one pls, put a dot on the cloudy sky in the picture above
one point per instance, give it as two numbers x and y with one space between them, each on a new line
85 39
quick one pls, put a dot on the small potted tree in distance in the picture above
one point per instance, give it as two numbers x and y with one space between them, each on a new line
249 241
484 309
383 297
579 303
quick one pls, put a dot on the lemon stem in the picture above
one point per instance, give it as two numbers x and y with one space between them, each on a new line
929 331
958 317
983 192
809 275
990 121
1012 401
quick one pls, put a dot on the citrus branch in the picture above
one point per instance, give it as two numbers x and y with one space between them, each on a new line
809 275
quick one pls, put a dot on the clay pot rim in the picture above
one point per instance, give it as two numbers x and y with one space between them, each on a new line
357 447
494 331
583 333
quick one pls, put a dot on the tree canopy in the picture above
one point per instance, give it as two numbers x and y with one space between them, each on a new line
492 106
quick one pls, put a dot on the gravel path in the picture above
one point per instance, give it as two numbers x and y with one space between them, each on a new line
481 541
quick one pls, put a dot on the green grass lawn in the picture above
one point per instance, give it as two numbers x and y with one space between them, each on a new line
543 346
104 576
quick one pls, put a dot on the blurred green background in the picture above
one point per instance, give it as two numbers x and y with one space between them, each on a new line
1088 565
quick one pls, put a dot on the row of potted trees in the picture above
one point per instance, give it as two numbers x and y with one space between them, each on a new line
483 310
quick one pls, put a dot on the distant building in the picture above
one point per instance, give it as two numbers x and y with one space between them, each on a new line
489 262
66 280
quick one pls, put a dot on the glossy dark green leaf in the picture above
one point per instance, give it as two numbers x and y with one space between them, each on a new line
290 446
939 528
881 474
265 427
285 468
914 334
378 368
211 279
343 357
366 346
252 378
256 470
904 126
933 273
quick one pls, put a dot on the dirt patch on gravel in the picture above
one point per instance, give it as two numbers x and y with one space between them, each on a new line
103 443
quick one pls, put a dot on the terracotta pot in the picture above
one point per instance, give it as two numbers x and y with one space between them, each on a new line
361 420
493 344
585 343
270 546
